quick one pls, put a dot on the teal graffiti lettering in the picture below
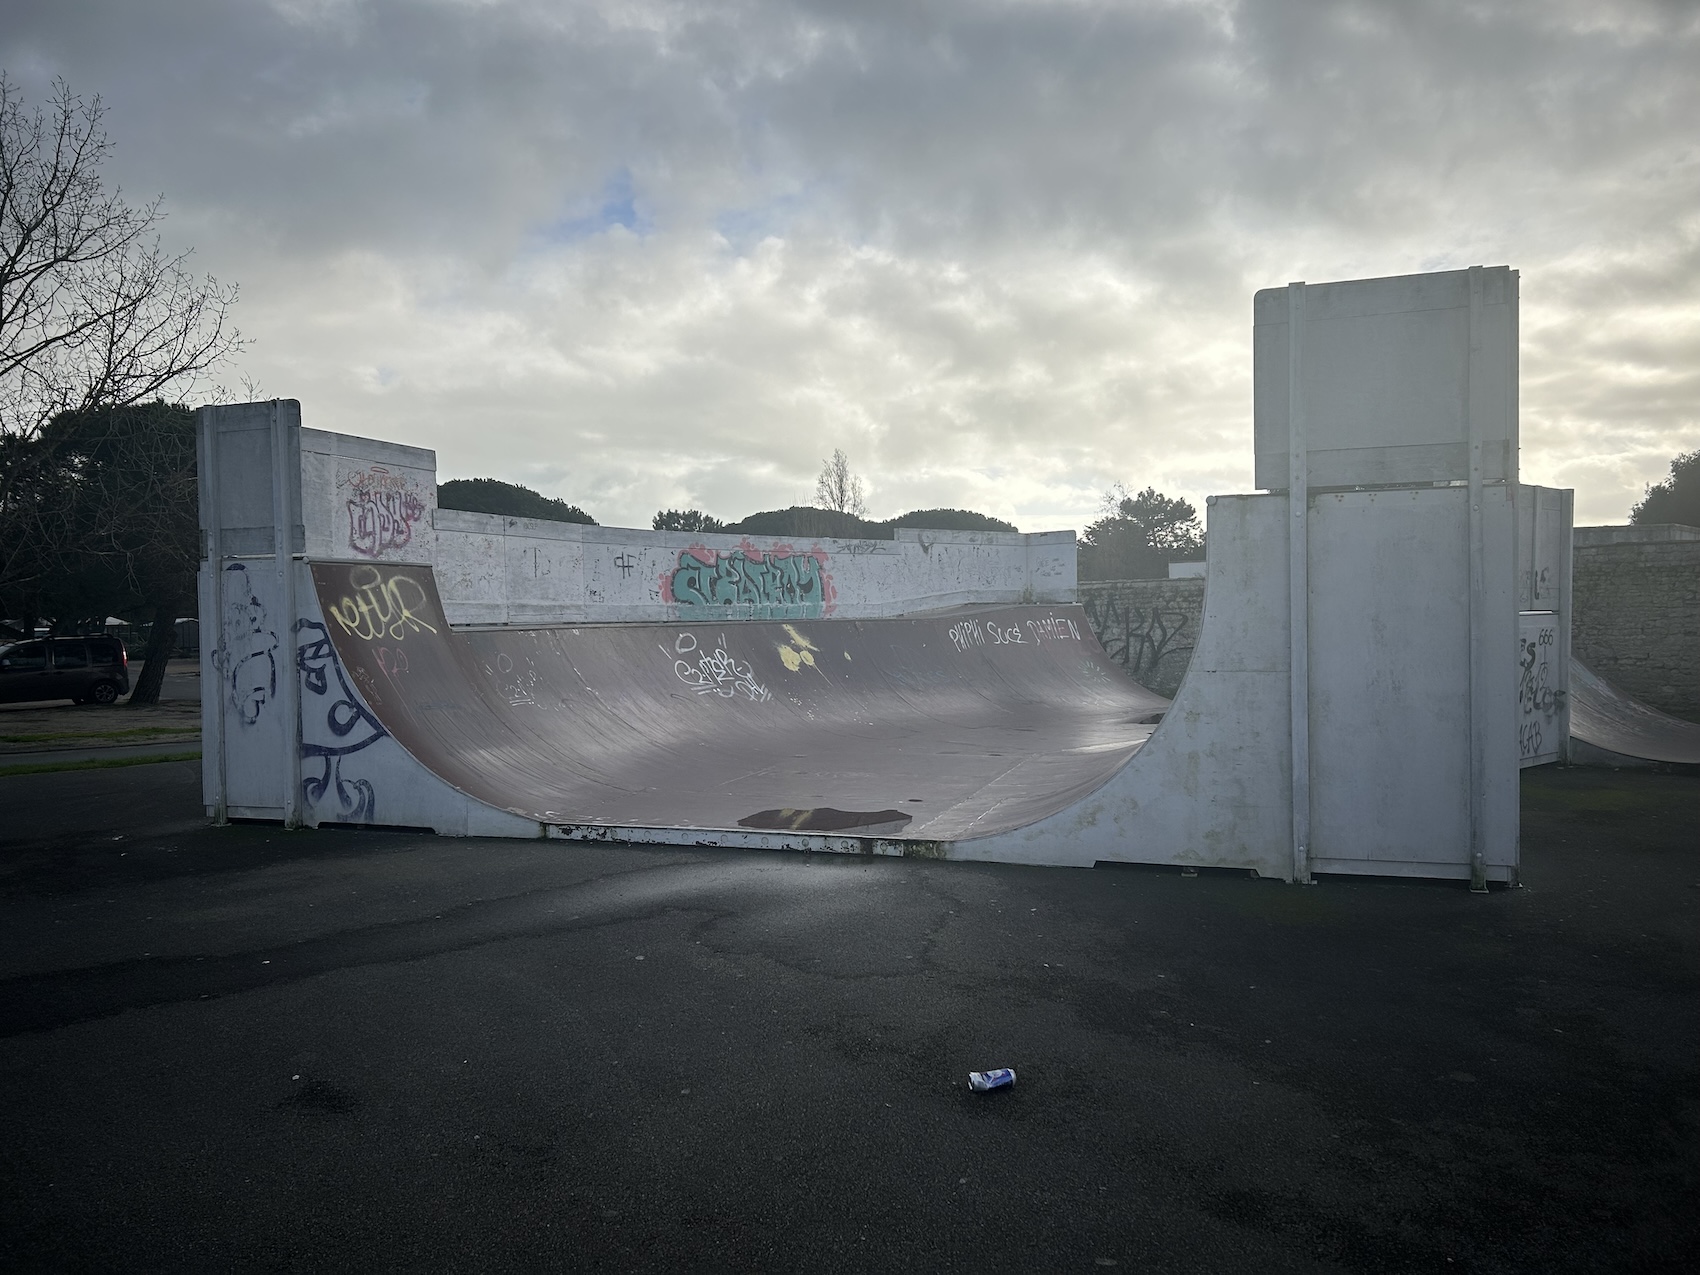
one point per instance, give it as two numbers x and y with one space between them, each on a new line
769 586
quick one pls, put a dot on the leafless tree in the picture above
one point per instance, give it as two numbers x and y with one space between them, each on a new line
94 314
837 488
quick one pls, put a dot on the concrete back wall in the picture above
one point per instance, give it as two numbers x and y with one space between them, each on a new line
1637 612
498 570
365 500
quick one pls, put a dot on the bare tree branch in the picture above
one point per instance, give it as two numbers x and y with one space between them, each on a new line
94 314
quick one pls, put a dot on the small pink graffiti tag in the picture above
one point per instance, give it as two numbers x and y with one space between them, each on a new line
382 508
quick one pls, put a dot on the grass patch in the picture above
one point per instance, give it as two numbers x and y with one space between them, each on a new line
96 763
128 733
1585 790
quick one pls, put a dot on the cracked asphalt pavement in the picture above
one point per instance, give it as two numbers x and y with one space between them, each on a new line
245 1048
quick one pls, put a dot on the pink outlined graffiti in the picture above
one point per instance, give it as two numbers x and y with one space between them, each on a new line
382 508
776 583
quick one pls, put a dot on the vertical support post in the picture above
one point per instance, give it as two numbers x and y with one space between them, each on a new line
212 617
1473 407
286 486
1533 573
1298 583
1566 550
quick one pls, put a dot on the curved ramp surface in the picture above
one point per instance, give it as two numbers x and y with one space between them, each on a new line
1604 716
937 728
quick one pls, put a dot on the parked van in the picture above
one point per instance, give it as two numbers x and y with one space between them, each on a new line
85 670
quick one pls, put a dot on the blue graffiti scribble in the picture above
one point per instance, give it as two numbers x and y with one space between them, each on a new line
349 724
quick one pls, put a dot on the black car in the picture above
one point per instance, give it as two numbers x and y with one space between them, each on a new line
87 670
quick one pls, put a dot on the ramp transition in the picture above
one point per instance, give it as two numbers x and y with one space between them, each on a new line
1604 716
937 728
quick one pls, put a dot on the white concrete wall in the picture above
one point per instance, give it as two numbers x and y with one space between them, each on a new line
1400 377
366 499
498 570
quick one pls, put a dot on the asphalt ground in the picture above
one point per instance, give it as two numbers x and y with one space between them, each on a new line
240 1048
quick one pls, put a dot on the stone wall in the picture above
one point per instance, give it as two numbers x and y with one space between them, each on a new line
1149 627
1636 616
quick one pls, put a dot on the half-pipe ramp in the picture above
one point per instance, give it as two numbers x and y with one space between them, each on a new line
933 728
1605 717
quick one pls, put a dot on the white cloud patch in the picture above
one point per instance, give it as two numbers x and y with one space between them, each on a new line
648 255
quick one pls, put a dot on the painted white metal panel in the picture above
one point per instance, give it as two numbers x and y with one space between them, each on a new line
239 493
1370 791
1543 546
212 697
1389 651
1497 675
249 662
1386 380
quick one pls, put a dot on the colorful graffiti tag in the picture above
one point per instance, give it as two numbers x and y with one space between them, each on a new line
775 584
382 606
382 508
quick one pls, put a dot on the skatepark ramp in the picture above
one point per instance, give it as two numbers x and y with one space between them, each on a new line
917 730
1384 642
1605 718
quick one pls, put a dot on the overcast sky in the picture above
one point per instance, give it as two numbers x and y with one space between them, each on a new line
652 254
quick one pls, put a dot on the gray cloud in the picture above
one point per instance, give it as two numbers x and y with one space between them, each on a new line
657 254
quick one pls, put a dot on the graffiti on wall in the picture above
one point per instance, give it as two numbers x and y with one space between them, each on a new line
1138 638
248 647
714 672
519 686
1538 695
334 724
382 509
775 584
382 604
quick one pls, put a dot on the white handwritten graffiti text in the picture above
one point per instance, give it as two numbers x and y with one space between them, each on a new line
714 672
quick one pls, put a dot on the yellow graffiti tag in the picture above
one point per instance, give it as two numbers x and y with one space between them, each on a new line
799 654
381 606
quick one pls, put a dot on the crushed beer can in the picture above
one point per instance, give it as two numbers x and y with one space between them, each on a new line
998 1078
